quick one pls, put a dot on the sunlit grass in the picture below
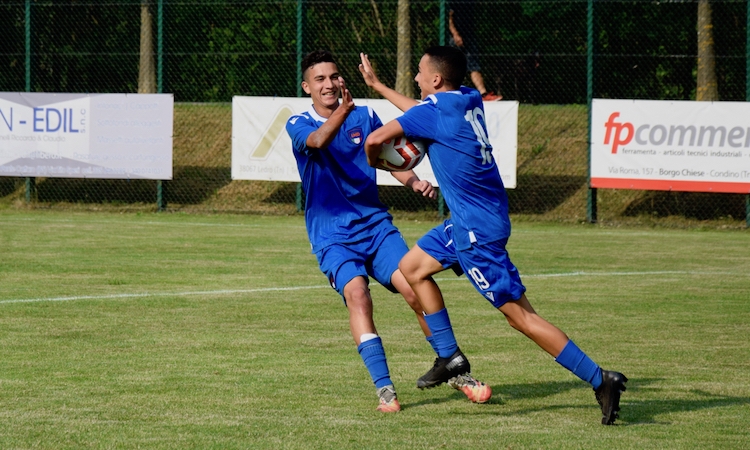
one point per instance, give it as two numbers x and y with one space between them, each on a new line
188 331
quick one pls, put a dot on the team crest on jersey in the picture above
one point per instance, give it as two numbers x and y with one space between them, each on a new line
355 136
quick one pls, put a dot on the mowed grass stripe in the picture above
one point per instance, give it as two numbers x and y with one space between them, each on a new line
303 288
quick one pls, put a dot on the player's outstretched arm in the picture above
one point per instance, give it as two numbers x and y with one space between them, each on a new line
374 142
410 179
401 101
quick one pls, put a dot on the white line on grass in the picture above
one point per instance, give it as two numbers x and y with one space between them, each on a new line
615 274
160 294
301 288
137 222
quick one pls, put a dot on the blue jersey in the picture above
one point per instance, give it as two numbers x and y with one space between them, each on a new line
453 125
341 191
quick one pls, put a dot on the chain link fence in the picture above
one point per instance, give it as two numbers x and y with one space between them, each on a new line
535 52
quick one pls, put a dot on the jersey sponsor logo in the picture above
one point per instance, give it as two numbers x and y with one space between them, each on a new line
355 136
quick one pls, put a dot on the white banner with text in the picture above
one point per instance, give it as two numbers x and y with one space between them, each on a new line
123 136
262 150
671 145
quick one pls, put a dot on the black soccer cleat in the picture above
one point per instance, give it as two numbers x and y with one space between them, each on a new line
608 395
444 369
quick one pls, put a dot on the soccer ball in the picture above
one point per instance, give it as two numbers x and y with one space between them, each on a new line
400 154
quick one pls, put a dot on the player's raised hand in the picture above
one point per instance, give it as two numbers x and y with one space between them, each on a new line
346 97
401 101
368 73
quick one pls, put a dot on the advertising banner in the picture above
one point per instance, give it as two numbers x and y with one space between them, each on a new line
262 149
671 145
123 136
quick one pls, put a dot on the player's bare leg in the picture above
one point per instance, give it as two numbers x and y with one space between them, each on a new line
418 268
403 287
521 316
359 304
608 385
369 345
454 369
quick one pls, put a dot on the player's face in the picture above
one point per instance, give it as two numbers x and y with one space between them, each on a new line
425 77
322 83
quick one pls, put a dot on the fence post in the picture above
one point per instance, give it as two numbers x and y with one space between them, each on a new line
30 188
30 184
300 30
161 200
591 197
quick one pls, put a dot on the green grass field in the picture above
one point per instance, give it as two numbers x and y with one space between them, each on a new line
190 331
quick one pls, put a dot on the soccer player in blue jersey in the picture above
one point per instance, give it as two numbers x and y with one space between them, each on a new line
350 230
450 120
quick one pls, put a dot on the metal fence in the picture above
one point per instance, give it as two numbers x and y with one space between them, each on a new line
551 56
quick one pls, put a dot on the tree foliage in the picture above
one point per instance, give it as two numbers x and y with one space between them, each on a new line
533 51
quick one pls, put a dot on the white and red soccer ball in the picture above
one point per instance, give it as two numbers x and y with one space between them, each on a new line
400 154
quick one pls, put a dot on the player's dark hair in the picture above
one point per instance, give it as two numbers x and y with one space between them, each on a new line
449 62
315 57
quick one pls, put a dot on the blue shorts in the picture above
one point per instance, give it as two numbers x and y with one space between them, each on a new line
487 266
376 255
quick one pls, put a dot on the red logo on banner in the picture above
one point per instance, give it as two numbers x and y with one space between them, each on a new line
617 129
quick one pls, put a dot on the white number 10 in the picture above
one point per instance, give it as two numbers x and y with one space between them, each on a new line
473 118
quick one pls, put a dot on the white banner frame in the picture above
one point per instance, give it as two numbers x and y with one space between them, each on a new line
670 145
262 150
101 136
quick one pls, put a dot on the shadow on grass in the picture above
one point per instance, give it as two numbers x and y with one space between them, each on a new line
641 412
9 185
79 190
194 184
693 205
633 412
284 193
538 194
397 198
502 393
190 185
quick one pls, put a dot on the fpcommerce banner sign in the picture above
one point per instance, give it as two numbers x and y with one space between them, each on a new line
123 136
262 149
671 145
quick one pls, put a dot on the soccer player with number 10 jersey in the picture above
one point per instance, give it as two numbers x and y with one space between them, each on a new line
450 120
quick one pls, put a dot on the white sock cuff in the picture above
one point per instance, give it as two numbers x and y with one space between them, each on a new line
367 337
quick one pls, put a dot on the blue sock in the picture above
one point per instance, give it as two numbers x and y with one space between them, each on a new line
431 341
572 358
442 333
373 354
